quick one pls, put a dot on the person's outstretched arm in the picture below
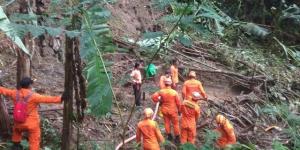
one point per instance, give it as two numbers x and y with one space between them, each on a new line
46 99
7 92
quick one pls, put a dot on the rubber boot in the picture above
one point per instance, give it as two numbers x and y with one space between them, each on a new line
177 140
170 137
17 146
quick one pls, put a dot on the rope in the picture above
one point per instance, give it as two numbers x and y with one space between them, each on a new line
134 136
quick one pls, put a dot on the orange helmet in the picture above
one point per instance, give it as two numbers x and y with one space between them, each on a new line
148 112
168 81
220 119
196 96
192 74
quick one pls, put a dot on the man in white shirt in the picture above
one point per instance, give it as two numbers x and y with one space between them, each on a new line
136 77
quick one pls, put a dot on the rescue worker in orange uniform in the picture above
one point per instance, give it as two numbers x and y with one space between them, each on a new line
190 112
192 85
162 79
149 130
170 105
32 123
226 131
174 73
137 83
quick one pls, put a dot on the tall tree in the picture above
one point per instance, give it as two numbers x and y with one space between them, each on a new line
23 61
71 46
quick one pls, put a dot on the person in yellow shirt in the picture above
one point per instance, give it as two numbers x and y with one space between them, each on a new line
170 107
148 130
190 112
192 85
174 73
226 131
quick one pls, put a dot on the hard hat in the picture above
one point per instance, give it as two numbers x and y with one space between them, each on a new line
196 96
192 74
148 112
168 81
220 119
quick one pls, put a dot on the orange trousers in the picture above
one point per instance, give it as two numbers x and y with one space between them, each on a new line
34 135
171 118
188 135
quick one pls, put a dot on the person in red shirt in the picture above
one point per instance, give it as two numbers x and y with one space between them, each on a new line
226 131
190 112
192 85
32 123
148 130
137 83
170 106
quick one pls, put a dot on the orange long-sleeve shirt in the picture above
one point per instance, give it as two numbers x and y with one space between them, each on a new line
227 135
148 129
174 74
190 112
170 102
33 102
191 86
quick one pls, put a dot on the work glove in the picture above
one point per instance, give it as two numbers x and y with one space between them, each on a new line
63 96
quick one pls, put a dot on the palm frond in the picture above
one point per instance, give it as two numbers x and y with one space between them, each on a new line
10 31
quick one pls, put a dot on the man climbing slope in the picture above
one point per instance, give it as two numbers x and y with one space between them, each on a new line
174 73
190 111
192 85
149 131
170 105
163 78
226 131
137 83
26 117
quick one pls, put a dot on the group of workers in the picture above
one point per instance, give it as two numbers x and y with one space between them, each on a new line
182 115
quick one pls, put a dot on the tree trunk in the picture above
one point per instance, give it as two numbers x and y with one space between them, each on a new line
67 142
68 138
5 126
23 61
23 66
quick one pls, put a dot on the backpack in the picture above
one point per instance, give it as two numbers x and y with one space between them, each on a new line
150 70
20 110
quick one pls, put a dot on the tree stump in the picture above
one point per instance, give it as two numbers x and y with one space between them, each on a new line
5 126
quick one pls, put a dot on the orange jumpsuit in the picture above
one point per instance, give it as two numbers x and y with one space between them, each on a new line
174 74
190 113
162 81
151 134
227 135
170 105
191 86
32 123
